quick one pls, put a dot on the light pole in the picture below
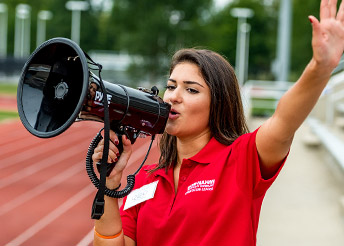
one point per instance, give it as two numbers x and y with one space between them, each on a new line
42 18
3 29
242 33
244 46
76 7
282 63
22 31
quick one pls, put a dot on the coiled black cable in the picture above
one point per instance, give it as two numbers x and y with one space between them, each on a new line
94 179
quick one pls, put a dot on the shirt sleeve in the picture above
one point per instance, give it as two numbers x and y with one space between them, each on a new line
129 220
249 177
130 215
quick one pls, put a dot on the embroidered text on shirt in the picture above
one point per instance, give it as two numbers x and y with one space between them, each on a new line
202 185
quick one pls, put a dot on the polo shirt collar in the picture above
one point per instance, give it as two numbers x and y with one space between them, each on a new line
207 154
204 156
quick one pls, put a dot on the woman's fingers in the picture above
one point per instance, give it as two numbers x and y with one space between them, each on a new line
333 8
123 160
324 10
340 14
113 150
114 137
112 157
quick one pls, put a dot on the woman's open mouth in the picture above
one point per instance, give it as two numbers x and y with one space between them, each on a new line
173 114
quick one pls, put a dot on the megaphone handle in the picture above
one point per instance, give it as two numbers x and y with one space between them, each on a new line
110 166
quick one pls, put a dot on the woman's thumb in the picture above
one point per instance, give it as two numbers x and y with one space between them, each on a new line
316 27
126 145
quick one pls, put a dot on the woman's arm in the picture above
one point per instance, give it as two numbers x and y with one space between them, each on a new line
276 134
110 224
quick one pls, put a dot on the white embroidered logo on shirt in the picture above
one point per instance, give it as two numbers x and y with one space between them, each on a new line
202 185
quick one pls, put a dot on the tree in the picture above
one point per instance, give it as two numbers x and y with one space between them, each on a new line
302 35
262 36
154 29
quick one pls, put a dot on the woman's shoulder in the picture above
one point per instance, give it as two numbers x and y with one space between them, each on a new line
149 168
246 138
146 174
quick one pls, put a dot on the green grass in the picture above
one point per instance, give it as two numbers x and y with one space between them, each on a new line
4 115
9 89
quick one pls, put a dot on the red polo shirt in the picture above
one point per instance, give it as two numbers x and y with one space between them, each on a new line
218 201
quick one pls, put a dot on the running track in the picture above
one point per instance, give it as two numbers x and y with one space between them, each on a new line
45 193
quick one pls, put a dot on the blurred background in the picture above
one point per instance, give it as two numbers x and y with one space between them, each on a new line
267 41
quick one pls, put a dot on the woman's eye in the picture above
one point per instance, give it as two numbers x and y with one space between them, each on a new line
193 91
170 87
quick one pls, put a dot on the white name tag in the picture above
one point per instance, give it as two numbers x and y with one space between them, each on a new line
142 194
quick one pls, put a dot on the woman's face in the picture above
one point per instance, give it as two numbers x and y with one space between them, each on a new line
190 98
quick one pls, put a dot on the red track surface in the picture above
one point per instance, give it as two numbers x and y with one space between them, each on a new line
45 193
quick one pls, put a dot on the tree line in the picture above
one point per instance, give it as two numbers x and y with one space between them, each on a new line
155 29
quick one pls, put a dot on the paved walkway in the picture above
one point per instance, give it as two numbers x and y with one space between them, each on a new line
303 205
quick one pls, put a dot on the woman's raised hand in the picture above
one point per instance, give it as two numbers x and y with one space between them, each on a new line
328 34
114 178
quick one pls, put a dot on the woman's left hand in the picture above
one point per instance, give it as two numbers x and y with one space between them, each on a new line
328 34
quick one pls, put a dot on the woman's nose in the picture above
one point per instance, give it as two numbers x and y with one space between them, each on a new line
175 96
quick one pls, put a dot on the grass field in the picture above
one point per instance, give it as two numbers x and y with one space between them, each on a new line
11 90
5 115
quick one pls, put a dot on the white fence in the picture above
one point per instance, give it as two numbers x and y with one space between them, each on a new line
326 121
261 97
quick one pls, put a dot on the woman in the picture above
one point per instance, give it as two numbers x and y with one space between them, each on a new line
212 175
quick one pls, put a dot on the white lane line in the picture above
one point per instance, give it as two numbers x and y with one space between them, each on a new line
140 153
50 183
87 240
45 163
31 231
24 155
57 158
21 142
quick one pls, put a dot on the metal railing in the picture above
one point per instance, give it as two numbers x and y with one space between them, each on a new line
261 97
326 121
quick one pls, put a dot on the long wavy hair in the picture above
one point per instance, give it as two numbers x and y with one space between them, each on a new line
226 120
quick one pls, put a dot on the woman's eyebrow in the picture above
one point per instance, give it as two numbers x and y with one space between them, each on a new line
189 82
192 83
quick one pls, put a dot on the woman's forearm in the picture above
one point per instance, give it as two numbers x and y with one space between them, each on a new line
298 102
109 224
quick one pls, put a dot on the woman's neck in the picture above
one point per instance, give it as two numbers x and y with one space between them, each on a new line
188 147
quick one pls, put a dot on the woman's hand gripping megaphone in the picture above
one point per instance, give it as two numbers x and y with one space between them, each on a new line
119 153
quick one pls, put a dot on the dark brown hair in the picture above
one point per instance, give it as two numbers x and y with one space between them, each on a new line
226 120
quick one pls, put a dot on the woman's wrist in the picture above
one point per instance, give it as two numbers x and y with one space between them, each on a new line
108 236
320 69
114 181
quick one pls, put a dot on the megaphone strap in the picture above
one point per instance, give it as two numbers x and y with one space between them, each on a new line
128 103
98 203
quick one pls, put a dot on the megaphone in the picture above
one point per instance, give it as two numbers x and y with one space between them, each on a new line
57 88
